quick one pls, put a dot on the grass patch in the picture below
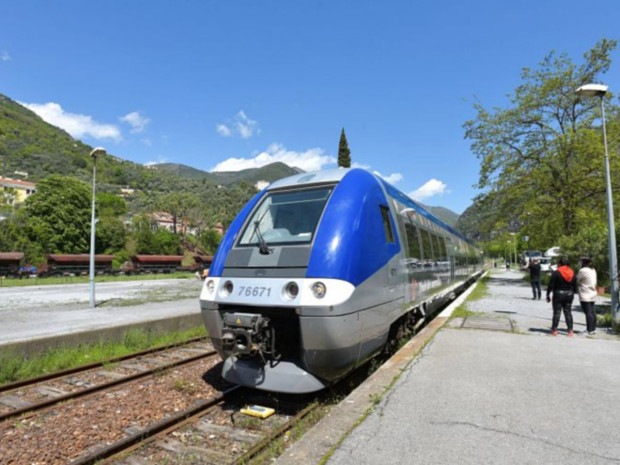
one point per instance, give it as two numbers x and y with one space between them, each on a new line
277 447
480 291
14 367
4 282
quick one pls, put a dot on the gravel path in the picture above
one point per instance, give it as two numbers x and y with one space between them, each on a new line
509 295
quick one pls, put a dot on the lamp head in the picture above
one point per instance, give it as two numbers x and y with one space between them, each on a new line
592 90
97 152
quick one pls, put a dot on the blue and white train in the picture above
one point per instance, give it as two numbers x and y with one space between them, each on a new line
320 271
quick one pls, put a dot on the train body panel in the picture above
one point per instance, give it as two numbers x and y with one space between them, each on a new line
315 273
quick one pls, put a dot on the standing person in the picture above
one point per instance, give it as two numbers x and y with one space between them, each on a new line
563 285
586 283
534 269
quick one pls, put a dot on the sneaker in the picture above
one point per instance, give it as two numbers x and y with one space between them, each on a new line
591 333
554 332
571 334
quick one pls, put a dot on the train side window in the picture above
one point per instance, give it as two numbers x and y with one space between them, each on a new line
412 240
387 224
427 248
441 249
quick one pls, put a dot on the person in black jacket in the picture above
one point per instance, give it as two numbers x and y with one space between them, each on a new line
563 285
534 269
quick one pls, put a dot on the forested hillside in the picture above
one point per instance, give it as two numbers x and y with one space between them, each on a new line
56 218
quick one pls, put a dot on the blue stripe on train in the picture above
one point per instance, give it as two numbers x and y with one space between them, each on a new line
350 241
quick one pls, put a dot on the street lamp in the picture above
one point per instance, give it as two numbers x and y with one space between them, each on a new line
97 152
599 90
509 253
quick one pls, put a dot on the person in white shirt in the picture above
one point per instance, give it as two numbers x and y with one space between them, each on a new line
586 285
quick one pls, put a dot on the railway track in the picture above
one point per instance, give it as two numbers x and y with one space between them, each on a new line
207 433
31 395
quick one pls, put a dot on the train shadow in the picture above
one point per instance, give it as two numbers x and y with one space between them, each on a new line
213 378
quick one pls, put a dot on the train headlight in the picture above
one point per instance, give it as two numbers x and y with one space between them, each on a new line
319 290
210 286
228 287
291 290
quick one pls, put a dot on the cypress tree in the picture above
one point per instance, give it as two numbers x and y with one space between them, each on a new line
344 154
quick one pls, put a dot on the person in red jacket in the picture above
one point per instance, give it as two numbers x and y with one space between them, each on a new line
563 285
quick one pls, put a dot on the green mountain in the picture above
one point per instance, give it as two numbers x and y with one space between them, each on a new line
444 214
269 173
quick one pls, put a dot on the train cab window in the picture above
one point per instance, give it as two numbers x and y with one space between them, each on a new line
286 217
413 242
387 224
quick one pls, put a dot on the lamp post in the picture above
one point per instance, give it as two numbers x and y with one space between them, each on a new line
99 151
515 247
599 90
509 253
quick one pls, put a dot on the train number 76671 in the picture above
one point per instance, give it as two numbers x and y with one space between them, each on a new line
254 291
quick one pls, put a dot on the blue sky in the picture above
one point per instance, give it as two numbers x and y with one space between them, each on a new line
235 84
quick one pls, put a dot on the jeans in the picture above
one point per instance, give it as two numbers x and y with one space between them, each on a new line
536 287
588 309
562 303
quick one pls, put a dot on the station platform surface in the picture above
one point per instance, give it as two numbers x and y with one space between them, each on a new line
491 388
34 316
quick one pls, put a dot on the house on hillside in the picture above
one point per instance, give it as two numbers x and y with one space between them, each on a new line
166 220
17 189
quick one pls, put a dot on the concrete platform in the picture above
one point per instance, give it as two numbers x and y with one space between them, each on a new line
492 388
35 318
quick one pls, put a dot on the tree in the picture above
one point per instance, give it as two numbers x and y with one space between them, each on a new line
344 154
542 164
59 215
143 235
179 205
209 241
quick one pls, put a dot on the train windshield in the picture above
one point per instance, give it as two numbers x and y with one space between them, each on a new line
286 217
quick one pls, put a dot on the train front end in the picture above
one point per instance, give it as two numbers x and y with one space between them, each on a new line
279 301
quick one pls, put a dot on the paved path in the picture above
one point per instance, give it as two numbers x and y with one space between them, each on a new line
489 396
29 313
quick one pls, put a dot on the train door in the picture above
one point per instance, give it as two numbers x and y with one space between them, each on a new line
413 260
390 237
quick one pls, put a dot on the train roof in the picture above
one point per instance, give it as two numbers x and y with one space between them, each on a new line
316 177
11 255
78 258
336 175
157 258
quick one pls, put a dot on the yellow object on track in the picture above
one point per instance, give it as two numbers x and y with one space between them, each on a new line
258 411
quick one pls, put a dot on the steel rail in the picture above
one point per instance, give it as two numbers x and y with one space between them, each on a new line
264 443
146 435
102 387
90 366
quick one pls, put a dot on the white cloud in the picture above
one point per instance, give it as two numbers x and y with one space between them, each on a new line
245 125
240 125
160 159
147 142
4 56
310 160
223 130
431 188
77 125
137 121
392 178
360 165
